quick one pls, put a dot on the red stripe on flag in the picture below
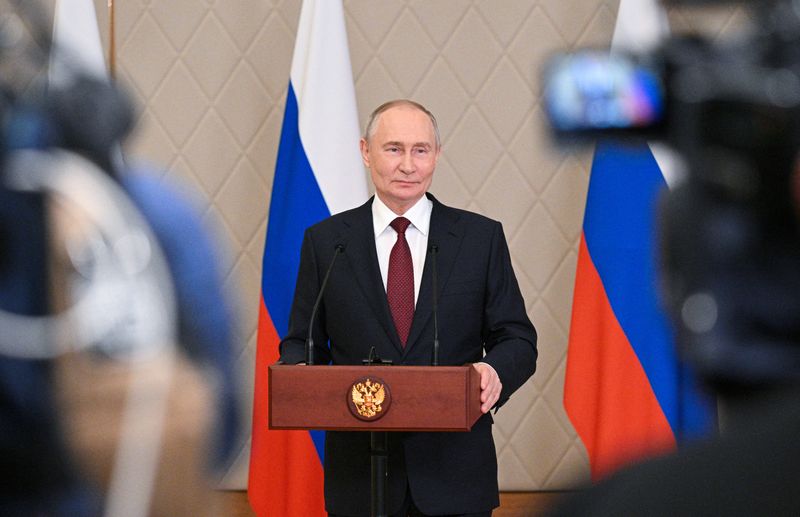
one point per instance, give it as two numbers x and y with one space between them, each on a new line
285 472
606 394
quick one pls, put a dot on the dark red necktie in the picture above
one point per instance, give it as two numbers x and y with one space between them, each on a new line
400 281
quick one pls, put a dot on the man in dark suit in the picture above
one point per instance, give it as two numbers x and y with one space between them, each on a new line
380 294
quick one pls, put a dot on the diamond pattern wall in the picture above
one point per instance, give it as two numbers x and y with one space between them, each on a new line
210 80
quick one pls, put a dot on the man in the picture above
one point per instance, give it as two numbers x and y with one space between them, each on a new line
380 295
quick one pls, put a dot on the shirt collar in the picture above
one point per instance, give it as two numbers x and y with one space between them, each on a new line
419 215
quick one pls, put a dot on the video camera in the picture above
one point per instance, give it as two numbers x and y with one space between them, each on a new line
730 233
61 128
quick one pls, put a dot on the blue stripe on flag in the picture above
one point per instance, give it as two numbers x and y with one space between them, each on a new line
296 204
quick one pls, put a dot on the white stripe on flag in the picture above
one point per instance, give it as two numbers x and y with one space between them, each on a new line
76 42
641 27
323 83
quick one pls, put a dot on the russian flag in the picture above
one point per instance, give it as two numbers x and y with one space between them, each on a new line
318 173
626 391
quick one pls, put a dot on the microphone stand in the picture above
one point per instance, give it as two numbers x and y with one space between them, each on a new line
379 460
310 339
435 360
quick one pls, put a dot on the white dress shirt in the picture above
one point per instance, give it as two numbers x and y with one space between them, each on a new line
416 236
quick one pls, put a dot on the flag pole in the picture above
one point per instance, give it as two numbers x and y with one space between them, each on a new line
112 54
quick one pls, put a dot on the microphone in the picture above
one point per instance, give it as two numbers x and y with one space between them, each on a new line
310 340
435 361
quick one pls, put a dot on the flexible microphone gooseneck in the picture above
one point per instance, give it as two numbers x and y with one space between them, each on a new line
435 360
310 340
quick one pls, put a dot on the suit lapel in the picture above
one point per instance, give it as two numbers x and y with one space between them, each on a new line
446 235
363 258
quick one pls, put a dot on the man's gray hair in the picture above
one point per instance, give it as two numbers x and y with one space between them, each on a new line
372 123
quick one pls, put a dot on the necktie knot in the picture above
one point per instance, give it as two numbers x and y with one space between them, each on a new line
400 224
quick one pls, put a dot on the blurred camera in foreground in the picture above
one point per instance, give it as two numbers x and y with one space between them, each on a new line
117 383
730 109
729 249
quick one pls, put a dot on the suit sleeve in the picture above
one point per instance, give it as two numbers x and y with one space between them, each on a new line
293 345
509 336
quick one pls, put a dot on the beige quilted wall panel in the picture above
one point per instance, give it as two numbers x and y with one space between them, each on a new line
210 79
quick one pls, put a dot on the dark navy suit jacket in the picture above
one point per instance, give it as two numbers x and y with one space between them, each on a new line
480 310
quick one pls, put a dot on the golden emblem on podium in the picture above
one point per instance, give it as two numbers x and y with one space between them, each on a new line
369 398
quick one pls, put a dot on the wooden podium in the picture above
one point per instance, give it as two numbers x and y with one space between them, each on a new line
377 399
416 398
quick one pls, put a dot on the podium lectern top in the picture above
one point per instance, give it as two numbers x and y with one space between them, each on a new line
374 398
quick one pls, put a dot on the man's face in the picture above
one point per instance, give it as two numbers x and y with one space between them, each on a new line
401 156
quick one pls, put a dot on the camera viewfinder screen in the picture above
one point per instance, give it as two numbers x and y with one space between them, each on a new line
594 90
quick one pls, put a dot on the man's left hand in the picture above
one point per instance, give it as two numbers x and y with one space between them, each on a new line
490 386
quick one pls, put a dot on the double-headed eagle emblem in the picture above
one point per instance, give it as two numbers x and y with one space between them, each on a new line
367 397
